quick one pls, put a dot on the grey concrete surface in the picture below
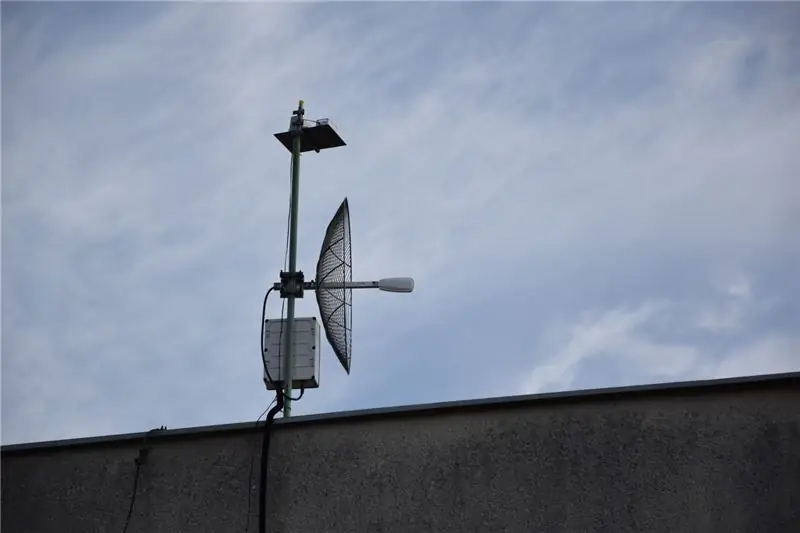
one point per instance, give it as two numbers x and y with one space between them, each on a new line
707 459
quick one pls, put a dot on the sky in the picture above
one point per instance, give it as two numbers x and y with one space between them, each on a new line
587 195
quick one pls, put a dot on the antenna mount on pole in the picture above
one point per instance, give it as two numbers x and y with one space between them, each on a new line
314 135
298 347
303 135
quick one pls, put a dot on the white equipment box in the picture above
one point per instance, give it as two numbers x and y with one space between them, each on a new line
307 347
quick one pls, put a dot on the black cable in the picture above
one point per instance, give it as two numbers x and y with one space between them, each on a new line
280 342
250 475
262 495
133 497
280 337
285 262
288 218
302 391
279 393
141 459
263 324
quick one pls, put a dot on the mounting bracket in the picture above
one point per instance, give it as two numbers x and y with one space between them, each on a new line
292 284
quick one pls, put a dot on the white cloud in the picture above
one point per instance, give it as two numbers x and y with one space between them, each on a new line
771 354
724 318
540 161
626 337
614 335
740 289
729 314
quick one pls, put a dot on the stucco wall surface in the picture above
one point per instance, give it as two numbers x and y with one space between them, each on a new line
707 460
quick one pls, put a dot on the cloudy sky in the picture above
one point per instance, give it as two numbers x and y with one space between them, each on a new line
588 195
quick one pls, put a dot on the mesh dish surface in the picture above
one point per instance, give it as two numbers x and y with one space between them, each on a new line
334 271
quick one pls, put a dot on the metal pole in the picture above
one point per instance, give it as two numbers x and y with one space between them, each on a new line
297 133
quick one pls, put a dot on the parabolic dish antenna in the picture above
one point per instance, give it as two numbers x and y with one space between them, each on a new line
334 297
334 285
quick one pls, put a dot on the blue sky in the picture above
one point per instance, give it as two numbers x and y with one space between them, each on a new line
588 195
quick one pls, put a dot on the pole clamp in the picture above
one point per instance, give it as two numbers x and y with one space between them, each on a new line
297 120
292 284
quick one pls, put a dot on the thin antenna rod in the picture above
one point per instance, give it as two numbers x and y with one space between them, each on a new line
296 130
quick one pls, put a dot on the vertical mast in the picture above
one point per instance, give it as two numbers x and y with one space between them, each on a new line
298 139
296 129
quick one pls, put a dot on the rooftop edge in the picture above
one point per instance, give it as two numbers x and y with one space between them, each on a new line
681 387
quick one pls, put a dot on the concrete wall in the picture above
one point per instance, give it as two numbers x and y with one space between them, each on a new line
720 457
